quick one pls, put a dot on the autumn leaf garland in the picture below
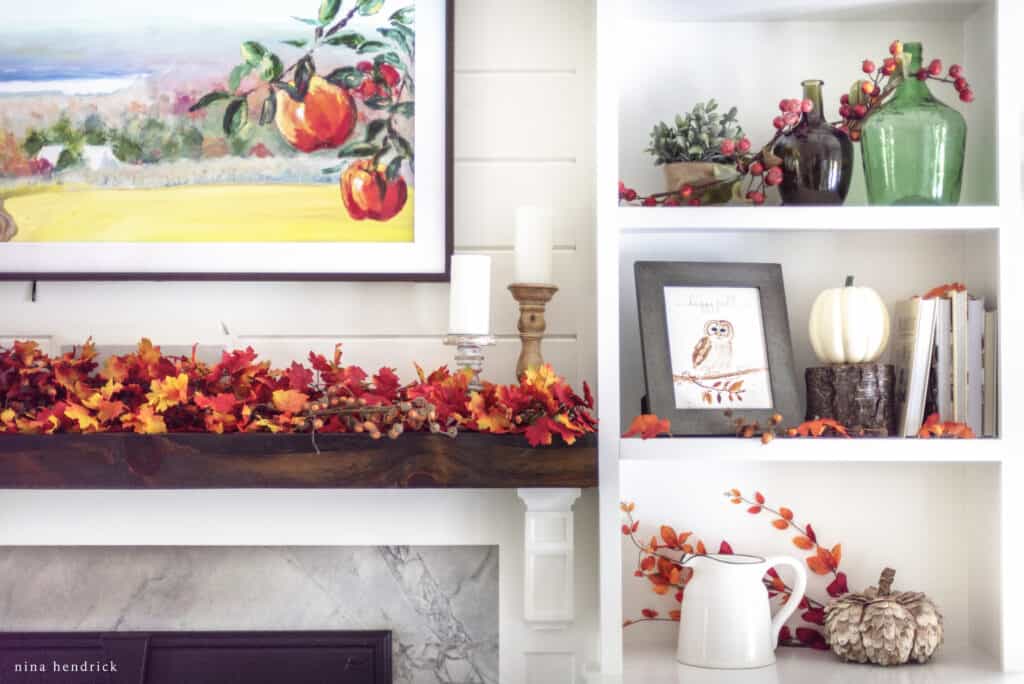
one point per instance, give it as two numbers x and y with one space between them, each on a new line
149 393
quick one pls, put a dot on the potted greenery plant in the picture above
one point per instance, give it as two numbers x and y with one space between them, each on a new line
700 150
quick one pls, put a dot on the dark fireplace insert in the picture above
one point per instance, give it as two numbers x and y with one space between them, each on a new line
196 658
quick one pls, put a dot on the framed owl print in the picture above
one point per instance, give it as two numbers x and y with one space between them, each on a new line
235 139
715 337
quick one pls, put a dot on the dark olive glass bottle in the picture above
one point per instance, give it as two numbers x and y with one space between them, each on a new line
817 159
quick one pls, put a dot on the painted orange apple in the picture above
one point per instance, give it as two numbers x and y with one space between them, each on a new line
361 192
323 120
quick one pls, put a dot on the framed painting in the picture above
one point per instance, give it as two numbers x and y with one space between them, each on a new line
715 336
233 139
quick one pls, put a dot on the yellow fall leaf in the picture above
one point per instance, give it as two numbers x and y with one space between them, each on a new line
290 401
168 392
146 421
86 421
7 416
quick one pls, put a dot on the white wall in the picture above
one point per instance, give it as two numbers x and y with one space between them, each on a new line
523 135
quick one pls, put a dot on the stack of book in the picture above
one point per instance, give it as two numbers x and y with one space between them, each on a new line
945 350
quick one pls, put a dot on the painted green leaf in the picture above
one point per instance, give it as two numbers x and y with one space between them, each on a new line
332 169
398 37
406 15
236 76
404 146
349 39
269 110
304 20
346 77
371 46
296 42
271 67
374 128
368 7
391 58
291 90
377 102
394 168
329 10
235 116
406 109
208 99
304 72
253 53
358 149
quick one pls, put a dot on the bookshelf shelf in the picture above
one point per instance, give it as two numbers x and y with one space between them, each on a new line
655 663
753 219
709 450
890 495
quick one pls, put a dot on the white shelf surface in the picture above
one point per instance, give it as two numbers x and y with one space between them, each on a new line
803 666
747 219
813 450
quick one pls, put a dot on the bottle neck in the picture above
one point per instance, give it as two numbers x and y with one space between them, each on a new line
812 92
912 88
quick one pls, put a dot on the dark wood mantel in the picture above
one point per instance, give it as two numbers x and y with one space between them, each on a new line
206 461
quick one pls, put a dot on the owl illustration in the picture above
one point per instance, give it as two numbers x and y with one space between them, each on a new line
713 353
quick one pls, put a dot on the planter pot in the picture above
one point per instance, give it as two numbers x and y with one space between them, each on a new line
679 174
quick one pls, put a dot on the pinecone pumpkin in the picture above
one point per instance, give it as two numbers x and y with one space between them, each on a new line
883 627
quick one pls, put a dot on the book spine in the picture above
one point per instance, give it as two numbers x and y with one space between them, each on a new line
975 374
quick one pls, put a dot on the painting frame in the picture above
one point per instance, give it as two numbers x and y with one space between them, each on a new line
652 280
442 234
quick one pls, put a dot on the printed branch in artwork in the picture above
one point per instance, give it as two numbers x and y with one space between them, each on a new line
715 385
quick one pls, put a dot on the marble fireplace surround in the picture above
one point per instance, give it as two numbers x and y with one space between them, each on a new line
440 602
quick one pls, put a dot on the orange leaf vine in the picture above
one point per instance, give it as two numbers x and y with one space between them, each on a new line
664 563
825 561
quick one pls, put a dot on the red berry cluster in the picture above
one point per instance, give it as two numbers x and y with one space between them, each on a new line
791 113
867 95
379 79
668 199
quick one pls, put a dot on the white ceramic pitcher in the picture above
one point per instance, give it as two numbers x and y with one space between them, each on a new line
726 620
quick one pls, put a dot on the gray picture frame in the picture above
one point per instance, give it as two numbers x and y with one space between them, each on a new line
652 277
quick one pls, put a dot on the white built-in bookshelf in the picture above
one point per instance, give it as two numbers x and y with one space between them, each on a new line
942 513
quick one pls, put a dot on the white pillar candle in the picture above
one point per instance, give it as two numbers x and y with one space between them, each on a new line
534 241
469 302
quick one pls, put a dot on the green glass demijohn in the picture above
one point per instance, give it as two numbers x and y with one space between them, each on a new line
913 145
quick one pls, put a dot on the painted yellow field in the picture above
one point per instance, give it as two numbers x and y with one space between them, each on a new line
227 213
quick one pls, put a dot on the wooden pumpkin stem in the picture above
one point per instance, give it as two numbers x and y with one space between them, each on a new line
885 581
849 281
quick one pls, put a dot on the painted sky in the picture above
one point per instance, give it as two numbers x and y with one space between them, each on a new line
119 37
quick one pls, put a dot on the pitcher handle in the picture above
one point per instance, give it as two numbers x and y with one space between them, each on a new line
794 600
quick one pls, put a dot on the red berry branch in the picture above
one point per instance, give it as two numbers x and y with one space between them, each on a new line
868 95
761 169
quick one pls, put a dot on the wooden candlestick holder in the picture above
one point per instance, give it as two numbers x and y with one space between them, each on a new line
532 300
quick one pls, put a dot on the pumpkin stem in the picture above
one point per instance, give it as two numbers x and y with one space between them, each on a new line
885 581
849 281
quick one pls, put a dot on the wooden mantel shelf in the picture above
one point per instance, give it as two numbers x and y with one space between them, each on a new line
206 461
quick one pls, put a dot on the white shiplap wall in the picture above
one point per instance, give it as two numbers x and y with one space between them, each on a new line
523 123
523 135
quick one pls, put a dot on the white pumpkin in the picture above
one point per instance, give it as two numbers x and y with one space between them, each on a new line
849 325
